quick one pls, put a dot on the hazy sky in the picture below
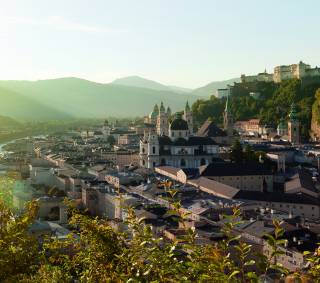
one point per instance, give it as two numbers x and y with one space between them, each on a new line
183 42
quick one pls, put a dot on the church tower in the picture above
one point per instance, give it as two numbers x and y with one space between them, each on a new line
162 122
187 116
106 129
169 112
294 126
153 151
228 119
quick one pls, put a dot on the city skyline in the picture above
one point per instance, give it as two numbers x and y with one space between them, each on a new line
105 40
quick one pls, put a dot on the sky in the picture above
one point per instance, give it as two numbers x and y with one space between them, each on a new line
188 43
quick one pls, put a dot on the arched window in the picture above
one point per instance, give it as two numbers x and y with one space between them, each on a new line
143 150
163 161
153 149
202 161
143 162
182 163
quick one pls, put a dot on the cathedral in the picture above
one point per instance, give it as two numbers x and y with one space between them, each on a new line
173 141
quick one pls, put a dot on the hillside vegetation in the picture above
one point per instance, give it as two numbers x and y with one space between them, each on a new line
274 102
18 106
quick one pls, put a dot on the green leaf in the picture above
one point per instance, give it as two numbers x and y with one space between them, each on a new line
233 274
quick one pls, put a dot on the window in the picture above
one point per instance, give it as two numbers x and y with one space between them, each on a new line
180 134
182 163
143 162
143 150
202 161
153 149
163 161
312 207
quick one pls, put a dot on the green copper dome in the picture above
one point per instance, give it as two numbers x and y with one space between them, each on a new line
155 112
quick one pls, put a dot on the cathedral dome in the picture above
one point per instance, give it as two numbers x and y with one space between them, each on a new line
178 124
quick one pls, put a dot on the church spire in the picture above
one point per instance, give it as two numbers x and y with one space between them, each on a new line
187 108
162 109
226 109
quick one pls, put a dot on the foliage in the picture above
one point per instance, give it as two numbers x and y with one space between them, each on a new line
7 183
316 107
272 105
18 249
94 252
236 154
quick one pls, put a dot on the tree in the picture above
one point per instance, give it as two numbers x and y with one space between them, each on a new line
19 253
236 154
94 252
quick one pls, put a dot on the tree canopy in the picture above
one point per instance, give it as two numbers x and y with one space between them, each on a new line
272 104
94 252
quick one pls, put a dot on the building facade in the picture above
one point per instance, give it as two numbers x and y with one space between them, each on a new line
284 72
294 71
175 144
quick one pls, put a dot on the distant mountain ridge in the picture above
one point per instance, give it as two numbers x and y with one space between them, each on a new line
205 91
18 106
137 81
211 88
71 97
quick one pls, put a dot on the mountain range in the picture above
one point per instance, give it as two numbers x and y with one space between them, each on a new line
65 98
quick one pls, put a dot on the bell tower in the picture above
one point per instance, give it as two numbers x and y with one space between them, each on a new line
187 116
162 122
228 119
294 125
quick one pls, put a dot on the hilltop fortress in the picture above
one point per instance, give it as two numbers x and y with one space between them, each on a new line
284 72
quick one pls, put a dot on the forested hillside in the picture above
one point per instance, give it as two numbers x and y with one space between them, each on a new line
274 102
78 98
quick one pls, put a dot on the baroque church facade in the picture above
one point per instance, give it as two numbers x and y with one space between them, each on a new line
173 141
